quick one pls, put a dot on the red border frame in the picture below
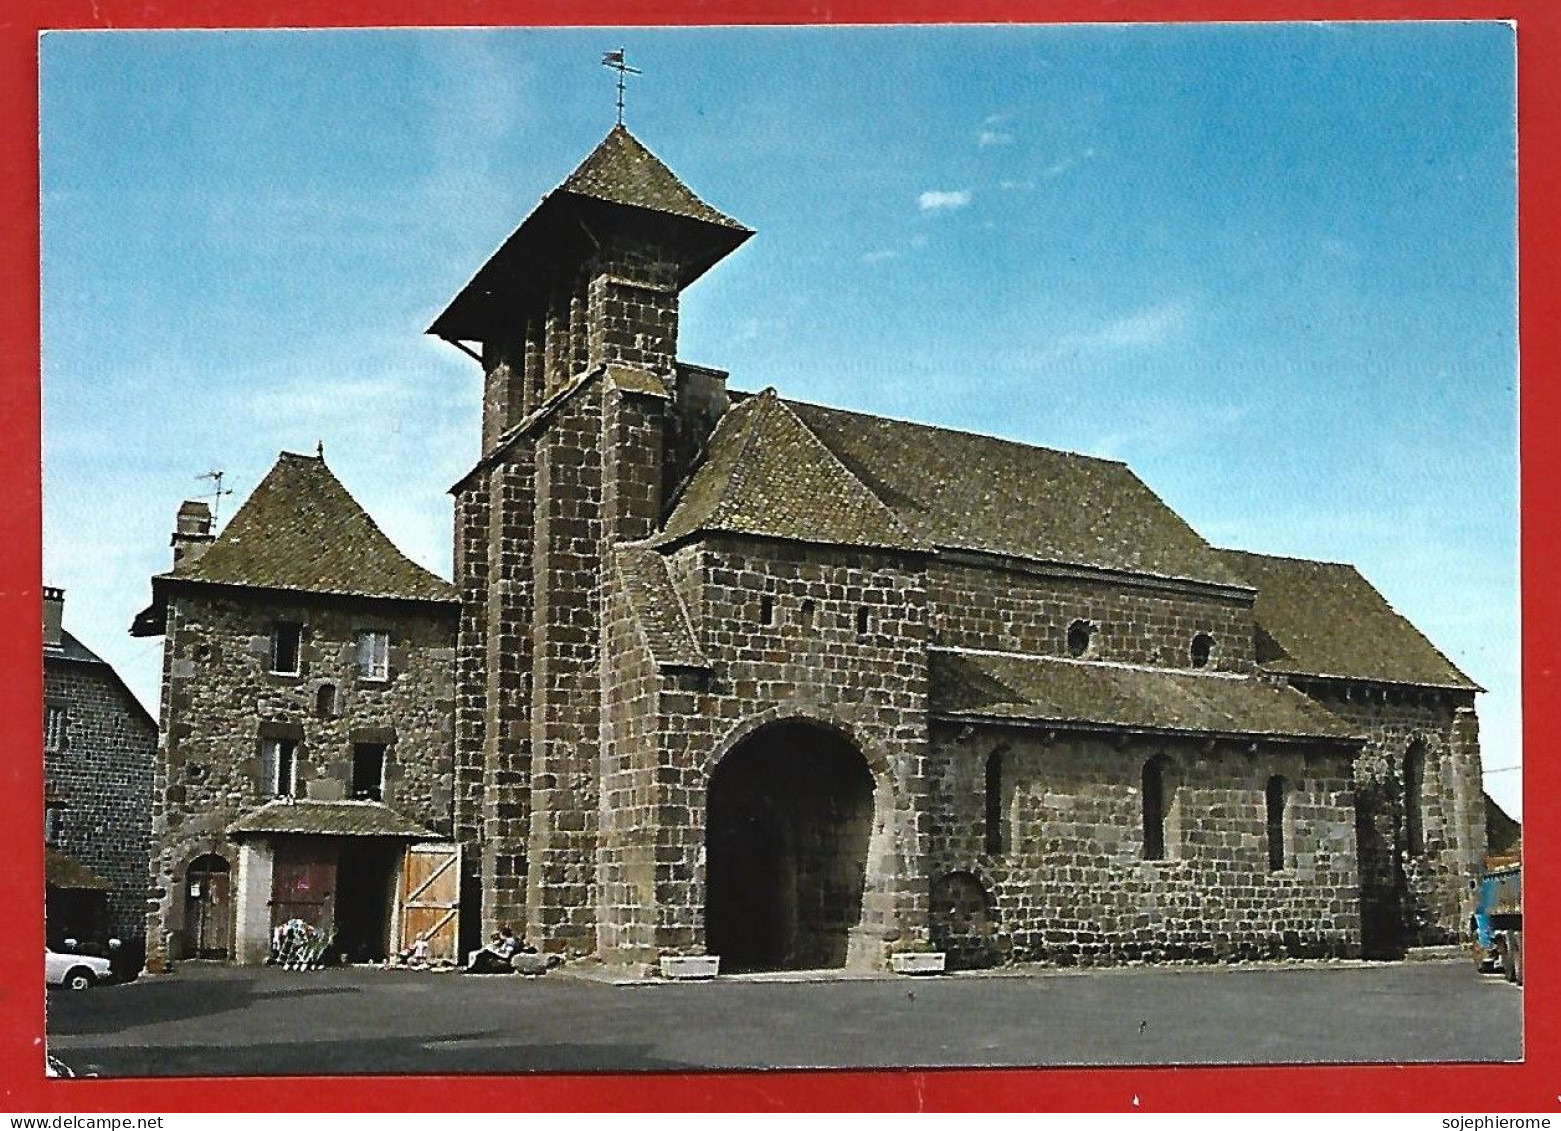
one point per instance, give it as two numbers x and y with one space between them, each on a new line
1531 1086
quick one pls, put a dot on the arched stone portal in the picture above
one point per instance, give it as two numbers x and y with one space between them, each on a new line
790 816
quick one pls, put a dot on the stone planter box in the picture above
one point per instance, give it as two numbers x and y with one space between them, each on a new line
917 962
690 967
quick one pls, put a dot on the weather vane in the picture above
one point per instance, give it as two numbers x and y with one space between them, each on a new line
614 59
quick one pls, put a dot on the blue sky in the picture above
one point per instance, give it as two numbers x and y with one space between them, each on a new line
1271 267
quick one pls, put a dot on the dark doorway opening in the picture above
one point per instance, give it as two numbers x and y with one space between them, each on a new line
365 898
790 814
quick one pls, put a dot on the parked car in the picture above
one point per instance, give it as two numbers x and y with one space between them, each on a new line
1498 922
74 971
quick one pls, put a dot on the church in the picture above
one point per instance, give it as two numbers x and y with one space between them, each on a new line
727 674
801 687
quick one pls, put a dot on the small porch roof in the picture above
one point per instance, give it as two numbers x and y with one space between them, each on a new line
300 816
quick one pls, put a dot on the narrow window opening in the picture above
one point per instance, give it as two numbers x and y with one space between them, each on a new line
807 614
994 803
1154 810
1275 797
861 620
325 701
374 655
368 771
286 639
767 609
1080 633
54 824
1414 800
1202 650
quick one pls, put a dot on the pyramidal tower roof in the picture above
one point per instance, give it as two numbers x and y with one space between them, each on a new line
300 530
621 185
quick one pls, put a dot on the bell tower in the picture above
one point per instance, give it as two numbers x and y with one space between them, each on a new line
574 321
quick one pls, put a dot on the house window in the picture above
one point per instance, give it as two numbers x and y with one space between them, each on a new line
1080 632
374 655
368 771
1414 800
1277 819
279 766
325 701
994 803
55 718
1161 831
54 824
1202 650
286 647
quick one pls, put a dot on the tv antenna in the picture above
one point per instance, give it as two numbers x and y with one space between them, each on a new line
216 492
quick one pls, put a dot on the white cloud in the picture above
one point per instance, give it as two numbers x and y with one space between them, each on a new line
1058 168
879 256
938 200
1010 186
994 137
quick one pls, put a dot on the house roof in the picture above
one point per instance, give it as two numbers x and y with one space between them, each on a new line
934 487
301 530
658 609
69 874
619 182
329 818
1325 619
767 474
1044 689
69 648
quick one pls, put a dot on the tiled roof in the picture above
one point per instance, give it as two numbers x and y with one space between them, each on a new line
1325 619
329 818
301 530
767 474
657 607
620 173
1118 696
621 170
69 874
958 490
69 648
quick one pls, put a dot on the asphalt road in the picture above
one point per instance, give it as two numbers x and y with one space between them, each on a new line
213 1020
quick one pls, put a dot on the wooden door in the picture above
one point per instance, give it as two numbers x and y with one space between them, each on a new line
431 899
303 884
208 913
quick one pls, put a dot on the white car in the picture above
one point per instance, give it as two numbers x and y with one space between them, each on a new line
73 971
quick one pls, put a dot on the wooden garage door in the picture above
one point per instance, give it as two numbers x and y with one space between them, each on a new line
431 899
303 883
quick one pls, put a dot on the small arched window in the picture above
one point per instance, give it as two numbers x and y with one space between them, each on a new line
325 701
1202 650
807 615
1278 847
1080 634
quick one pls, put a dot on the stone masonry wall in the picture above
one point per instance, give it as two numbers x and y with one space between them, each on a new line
1069 883
219 696
1009 610
1412 898
809 663
101 778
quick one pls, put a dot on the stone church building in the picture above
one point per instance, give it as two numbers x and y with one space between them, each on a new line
726 673
802 687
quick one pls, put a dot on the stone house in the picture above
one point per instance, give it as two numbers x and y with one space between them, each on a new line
99 744
306 765
802 687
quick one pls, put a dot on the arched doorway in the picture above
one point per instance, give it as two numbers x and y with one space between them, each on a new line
790 814
207 921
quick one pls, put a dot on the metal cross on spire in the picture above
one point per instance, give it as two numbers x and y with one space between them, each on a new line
614 59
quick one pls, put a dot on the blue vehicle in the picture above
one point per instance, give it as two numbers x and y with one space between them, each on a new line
1498 922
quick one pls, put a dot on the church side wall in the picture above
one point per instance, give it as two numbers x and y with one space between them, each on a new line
1067 881
220 700
1007 610
1413 896
471 691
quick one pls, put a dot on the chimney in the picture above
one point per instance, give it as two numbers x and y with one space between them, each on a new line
191 532
53 615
